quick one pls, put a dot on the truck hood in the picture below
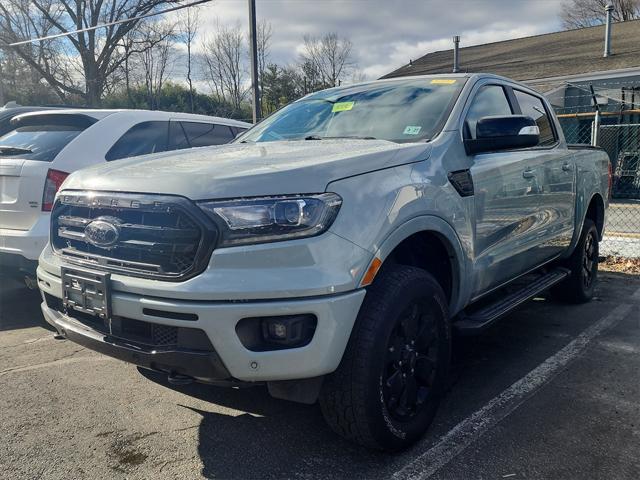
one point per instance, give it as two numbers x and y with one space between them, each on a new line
251 169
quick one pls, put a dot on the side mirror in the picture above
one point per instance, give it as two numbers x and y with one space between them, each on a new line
503 133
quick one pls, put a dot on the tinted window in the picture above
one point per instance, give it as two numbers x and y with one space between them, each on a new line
533 107
37 142
237 130
204 134
400 111
490 100
143 138
177 137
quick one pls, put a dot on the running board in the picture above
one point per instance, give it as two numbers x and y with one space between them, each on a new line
477 321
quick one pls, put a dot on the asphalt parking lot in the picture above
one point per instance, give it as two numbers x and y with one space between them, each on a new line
552 392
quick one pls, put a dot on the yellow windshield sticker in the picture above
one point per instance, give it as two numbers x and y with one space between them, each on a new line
443 81
342 106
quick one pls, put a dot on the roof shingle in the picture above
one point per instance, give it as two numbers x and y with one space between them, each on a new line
555 54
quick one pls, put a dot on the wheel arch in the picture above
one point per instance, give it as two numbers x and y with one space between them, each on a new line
595 211
430 243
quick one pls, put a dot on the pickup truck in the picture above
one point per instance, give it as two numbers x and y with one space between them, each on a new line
332 251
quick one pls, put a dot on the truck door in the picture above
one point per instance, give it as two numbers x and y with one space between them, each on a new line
507 190
557 179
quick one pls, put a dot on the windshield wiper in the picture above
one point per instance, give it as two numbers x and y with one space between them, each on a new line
8 150
354 137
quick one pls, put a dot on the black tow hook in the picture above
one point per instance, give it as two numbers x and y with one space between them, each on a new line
177 379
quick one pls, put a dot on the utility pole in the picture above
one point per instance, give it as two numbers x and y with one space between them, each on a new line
253 40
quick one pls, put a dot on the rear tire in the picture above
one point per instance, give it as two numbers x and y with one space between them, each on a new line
579 286
386 391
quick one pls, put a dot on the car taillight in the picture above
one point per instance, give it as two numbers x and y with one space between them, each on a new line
51 186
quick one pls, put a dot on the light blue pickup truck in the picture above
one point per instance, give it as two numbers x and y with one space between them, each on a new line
332 251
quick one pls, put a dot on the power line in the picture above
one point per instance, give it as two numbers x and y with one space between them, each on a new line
105 25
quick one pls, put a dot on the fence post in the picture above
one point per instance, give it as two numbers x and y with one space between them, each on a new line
595 125
595 129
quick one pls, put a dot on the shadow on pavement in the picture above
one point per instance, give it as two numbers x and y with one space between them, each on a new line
19 307
269 438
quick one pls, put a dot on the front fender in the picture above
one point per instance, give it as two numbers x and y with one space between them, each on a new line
430 223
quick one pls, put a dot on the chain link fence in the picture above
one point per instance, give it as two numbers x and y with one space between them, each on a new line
622 142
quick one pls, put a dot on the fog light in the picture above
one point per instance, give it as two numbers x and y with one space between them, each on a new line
277 330
276 333
289 330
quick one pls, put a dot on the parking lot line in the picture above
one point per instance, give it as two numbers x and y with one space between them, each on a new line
62 361
473 427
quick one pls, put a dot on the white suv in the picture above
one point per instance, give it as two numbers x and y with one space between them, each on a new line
45 146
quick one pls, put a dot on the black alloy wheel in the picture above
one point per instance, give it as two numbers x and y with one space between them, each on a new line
412 355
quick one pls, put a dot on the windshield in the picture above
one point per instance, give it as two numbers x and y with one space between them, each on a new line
399 111
37 142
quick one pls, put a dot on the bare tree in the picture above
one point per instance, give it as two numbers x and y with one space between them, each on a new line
19 82
263 41
99 52
223 64
328 56
358 76
157 43
188 26
587 13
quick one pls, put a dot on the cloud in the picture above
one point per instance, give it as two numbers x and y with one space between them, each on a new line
386 33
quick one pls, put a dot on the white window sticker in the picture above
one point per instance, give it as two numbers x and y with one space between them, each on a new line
412 130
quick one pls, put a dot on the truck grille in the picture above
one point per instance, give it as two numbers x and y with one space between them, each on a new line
154 236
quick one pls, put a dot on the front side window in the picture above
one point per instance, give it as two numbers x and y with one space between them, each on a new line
399 111
490 100
177 137
533 107
237 131
204 134
141 139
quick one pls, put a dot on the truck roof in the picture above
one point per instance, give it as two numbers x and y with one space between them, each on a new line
444 75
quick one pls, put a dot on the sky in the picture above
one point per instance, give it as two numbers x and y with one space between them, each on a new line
386 34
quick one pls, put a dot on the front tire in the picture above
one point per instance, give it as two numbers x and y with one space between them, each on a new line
579 286
386 391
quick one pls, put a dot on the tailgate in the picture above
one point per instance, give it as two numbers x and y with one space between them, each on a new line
26 155
21 186
9 179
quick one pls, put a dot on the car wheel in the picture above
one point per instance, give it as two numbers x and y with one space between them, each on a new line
579 286
389 383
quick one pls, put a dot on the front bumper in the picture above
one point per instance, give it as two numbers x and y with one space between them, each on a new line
202 366
336 315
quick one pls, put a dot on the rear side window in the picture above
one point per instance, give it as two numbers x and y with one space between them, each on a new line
490 100
533 107
204 134
37 142
141 139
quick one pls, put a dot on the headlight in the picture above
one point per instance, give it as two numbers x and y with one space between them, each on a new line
272 219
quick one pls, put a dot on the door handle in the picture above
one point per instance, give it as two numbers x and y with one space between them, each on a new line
528 174
567 167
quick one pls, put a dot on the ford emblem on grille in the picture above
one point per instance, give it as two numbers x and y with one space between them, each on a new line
103 232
